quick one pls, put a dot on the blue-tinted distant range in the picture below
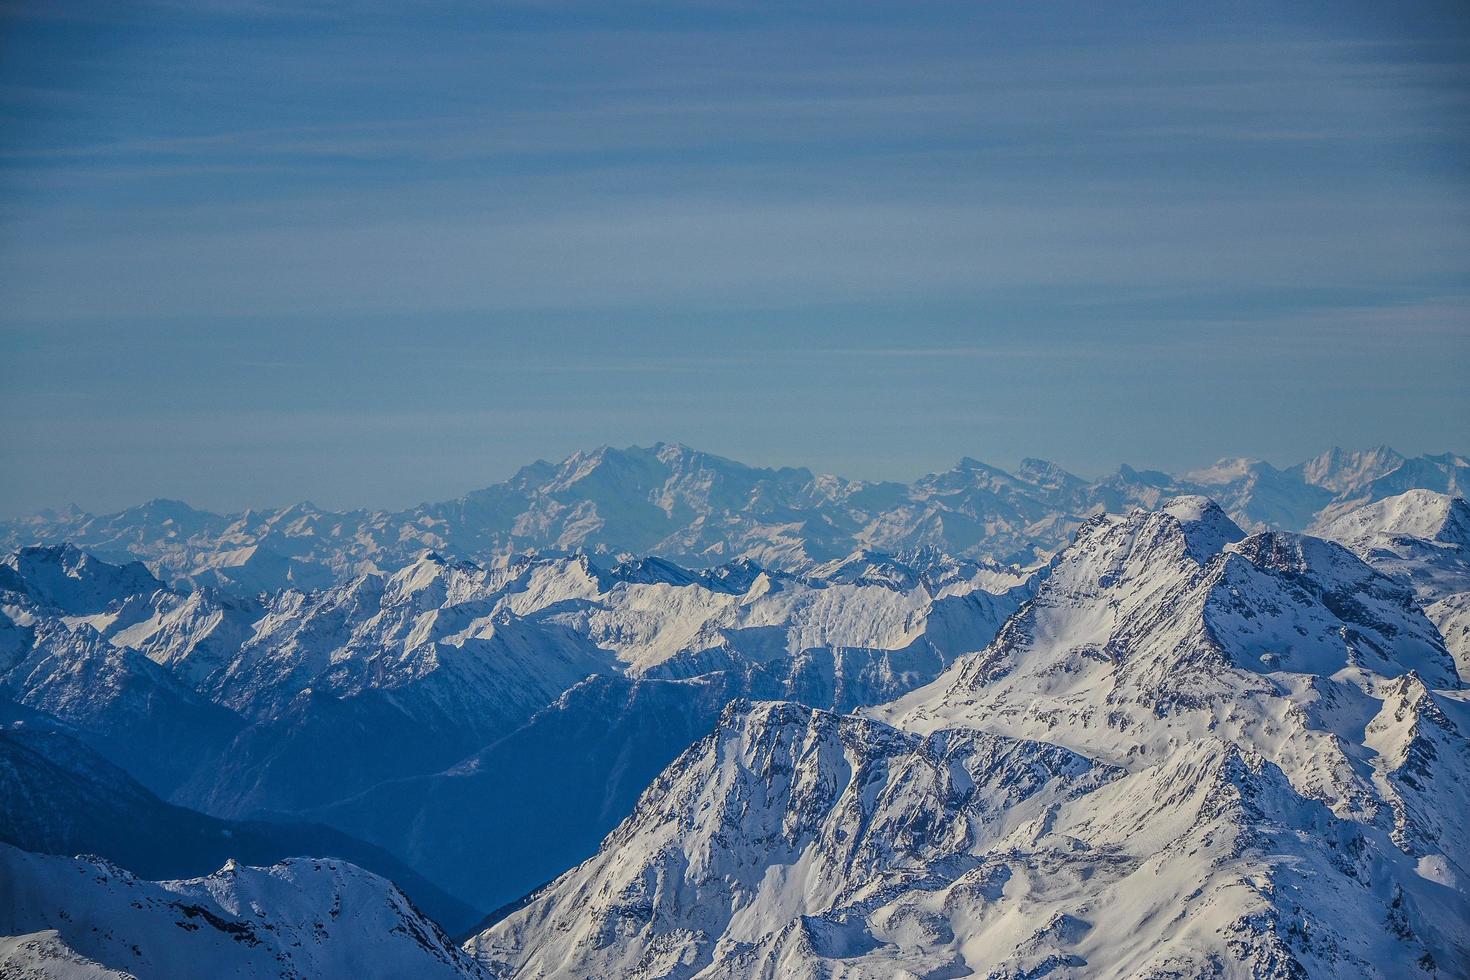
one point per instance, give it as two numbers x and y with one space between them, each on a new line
373 254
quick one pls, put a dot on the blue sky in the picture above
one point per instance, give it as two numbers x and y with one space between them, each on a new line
253 252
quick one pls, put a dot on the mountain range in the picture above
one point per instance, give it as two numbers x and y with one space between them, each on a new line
701 510
447 678
1177 734
1194 753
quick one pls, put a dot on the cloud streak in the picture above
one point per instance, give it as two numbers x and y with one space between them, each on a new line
951 229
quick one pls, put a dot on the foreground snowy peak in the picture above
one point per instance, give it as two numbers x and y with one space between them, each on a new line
1422 742
778 843
1284 645
1204 525
794 843
1193 752
1133 644
79 918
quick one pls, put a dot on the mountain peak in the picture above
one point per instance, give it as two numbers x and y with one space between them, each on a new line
672 450
301 917
1228 470
1342 471
67 578
1046 474
1207 527
1417 513
1155 478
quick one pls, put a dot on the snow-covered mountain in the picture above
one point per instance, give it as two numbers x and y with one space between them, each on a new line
413 672
62 798
701 510
1184 745
1423 538
304 917
68 579
1195 752
1361 478
765 849
1339 471
448 677
125 706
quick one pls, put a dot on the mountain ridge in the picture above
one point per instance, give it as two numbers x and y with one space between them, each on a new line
1178 746
671 501
1253 739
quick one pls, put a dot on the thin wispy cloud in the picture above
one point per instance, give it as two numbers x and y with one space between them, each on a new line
707 218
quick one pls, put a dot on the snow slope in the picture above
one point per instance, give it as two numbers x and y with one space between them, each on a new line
1420 536
300 918
61 798
326 705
